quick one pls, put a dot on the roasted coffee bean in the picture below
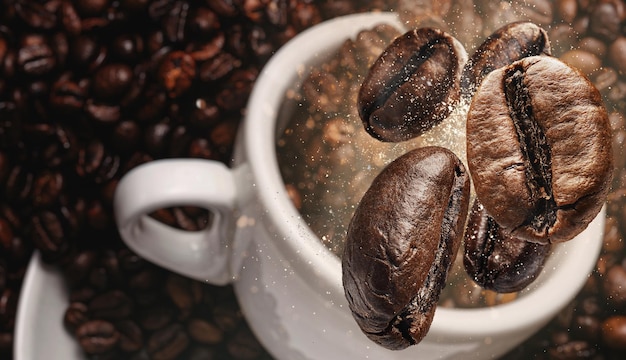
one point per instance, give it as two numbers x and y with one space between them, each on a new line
69 18
605 21
617 54
243 345
67 96
497 261
177 72
39 15
401 241
97 336
156 317
412 86
577 349
204 331
614 332
131 336
539 149
506 45
111 81
101 112
75 315
588 63
614 285
47 188
112 305
95 162
49 235
8 307
168 343
35 56
78 267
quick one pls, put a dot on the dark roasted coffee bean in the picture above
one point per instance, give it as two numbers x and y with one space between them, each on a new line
67 96
205 51
243 345
531 182
131 336
89 8
69 18
49 235
497 261
47 188
586 327
572 350
401 242
35 56
102 113
112 81
204 332
78 267
604 20
203 22
218 67
505 46
37 14
95 162
235 92
168 343
178 289
614 332
76 314
97 336
156 317
304 15
126 136
425 67
614 285
617 54
175 21
127 47
588 63
112 305
227 317
8 307
177 72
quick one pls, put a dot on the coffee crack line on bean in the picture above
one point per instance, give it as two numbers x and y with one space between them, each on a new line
404 75
534 148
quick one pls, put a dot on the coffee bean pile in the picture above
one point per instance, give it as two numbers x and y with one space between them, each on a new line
90 89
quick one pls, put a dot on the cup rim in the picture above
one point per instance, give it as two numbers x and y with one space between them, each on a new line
317 265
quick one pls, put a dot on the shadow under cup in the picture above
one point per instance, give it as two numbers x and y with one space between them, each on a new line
477 333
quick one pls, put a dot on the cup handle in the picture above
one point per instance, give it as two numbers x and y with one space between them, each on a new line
203 255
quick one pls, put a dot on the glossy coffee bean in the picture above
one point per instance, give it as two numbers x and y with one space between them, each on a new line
539 151
497 261
131 336
401 241
412 86
97 337
614 332
112 305
614 285
167 343
506 45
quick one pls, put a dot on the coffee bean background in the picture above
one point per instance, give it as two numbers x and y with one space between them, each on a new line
91 88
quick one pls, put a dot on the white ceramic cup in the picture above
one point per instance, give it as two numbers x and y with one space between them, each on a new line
287 282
